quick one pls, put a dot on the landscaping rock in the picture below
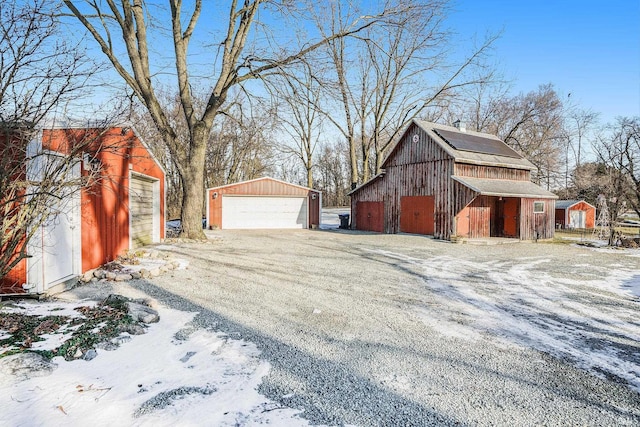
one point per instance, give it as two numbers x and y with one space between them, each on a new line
100 273
123 277
110 275
90 355
136 275
132 329
142 313
108 346
26 365
121 339
87 276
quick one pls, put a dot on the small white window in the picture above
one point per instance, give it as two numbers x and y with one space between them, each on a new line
538 207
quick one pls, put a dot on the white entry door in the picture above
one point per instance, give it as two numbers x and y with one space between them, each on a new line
240 212
55 248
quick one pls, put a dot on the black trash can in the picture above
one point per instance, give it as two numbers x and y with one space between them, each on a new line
344 221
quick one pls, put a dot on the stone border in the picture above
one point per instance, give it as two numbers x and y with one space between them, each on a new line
126 274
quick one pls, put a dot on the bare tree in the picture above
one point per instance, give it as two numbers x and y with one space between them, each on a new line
333 173
39 74
244 52
619 150
300 96
577 126
393 74
532 124
238 147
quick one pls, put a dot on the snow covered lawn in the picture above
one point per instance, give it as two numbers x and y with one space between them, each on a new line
174 374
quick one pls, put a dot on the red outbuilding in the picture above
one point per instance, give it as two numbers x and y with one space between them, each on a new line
575 214
263 203
121 210
449 182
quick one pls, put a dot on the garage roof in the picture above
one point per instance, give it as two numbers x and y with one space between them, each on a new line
266 185
505 188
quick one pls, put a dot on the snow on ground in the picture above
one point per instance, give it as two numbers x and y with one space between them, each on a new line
172 375
581 321
330 219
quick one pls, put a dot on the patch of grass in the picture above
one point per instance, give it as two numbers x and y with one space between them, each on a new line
100 324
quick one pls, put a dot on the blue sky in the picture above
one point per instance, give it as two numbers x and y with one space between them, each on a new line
590 49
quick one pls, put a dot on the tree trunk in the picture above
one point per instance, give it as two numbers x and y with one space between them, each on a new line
193 196
309 174
353 159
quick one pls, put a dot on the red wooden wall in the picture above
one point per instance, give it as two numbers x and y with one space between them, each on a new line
105 203
562 216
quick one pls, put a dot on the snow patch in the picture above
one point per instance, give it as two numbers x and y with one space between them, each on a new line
575 319
149 381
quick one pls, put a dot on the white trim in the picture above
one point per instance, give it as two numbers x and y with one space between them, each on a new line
319 210
207 203
534 207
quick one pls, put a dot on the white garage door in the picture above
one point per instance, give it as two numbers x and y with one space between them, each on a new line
263 212
142 206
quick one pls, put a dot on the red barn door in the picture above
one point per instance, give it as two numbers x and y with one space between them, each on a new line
370 216
416 214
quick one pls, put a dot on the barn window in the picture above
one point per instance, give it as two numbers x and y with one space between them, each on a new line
538 207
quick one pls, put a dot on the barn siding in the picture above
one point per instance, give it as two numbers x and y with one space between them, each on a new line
491 172
418 168
534 226
590 220
105 206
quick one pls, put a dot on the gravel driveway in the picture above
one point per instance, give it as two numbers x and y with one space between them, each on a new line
370 329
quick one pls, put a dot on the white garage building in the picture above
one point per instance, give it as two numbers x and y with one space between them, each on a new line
263 203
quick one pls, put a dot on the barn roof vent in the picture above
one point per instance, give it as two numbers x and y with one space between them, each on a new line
461 126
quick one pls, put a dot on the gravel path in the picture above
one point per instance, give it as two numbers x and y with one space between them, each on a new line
390 330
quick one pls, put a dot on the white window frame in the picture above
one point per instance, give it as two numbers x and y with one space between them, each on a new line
535 205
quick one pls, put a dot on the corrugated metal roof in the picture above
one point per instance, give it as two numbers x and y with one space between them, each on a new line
505 187
274 180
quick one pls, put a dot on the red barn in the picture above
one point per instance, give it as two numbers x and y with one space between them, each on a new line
575 214
447 182
122 210
263 203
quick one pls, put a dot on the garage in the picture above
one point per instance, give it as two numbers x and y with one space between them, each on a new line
263 212
263 203
143 207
